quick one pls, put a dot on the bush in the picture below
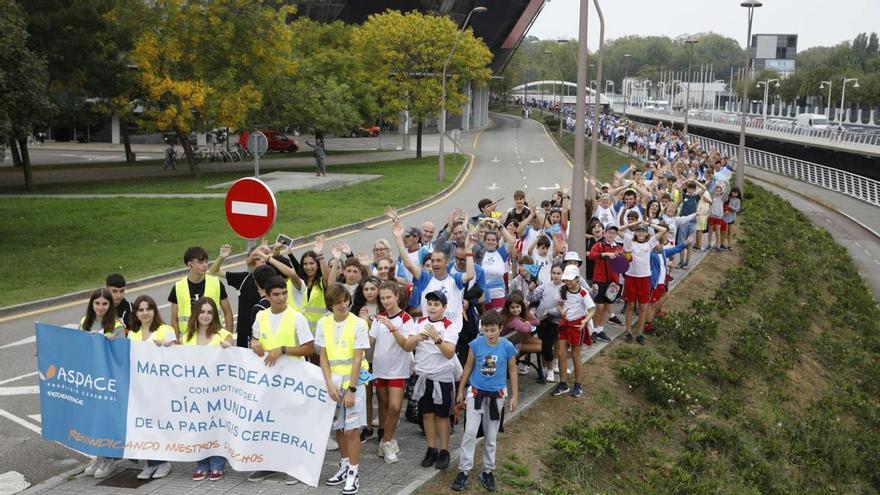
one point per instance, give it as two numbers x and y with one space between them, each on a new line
661 379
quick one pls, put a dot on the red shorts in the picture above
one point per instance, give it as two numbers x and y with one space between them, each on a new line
658 292
719 222
572 332
390 383
637 289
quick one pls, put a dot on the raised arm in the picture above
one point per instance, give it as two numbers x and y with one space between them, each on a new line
318 248
225 251
415 269
470 272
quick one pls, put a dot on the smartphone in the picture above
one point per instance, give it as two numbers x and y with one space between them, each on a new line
284 240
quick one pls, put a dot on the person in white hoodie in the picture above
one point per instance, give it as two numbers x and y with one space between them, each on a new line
545 296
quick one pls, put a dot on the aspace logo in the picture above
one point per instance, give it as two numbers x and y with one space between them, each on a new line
74 386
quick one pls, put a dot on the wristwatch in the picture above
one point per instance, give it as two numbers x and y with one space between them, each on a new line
439 341
283 349
352 389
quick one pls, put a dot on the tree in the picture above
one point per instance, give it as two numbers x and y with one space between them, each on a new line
405 54
23 81
205 63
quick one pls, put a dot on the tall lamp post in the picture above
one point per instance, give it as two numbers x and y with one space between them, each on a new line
751 5
626 57
691 41
766 85
843 96
562 91
441 161
578 227
828 100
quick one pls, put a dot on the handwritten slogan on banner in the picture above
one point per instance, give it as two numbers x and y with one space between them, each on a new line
182 403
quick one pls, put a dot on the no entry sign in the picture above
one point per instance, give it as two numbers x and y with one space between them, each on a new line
250 208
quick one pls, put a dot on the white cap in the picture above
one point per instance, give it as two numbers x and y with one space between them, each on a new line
572 256
571 273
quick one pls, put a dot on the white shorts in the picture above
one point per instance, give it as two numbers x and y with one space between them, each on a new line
354 417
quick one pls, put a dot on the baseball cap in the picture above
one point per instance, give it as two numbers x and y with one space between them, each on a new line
611 226
571 273
436 296
642 227
572 256
414 232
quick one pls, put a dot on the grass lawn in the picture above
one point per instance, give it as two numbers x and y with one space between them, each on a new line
54 246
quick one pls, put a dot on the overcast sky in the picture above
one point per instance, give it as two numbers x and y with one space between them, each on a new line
816 22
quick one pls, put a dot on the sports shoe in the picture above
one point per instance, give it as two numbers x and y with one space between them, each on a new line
628 338
199 475
162 470
488 481
366 433
460 482
351 484
394 446
290 480
260 475
561 389
442 460
649 327
556 366
616 320
216 475
147 472
381 452
603 337
90 468
332 445
522 369
594 337
549 376
640 339
339 477
389 453
430 457
577 391
106 468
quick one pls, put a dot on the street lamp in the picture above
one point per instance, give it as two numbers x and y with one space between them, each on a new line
827 101
766 85
691 41
440 161
626 57
751 5
561 91
843 95
672 85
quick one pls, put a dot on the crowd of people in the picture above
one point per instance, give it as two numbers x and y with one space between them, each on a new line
437 323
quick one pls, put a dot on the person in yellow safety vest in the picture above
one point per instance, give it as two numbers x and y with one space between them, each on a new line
307 280
343 339
280 331
101 315
195 285
147 324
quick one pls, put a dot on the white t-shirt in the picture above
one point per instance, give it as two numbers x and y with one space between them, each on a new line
454 291
494 267
361 335
576 304
429 359
608 216
389 359
545 265
640 266
303 332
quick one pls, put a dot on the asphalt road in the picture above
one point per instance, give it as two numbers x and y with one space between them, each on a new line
45 156
514 154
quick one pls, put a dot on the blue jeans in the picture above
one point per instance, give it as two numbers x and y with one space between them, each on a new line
213 463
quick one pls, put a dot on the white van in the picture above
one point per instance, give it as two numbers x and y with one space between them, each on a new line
812 121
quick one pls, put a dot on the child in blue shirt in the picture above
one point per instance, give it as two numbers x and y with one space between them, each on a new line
491 360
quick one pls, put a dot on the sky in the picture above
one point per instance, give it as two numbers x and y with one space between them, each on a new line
816 22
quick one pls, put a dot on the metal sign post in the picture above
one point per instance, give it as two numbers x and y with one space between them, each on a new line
257 144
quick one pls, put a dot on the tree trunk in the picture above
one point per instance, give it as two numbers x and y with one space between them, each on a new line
26 164
13 148
123 127
419 139
190 156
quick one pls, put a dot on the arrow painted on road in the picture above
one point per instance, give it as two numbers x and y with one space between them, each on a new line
549 188
539 160
493 186
495 160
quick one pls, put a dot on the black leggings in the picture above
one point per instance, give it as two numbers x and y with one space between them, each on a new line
548 332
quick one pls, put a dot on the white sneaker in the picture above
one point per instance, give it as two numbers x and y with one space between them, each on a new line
351 484
332 445
92 466
556 366
106 468
523 369
162 470
549 375
395 446
147 472
381 452
390 455
290 480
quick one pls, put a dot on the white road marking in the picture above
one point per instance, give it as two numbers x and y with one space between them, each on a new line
27 390
549 188
539 160
868 253
36 417
15 419
19 377
495 160
24 341
857 243
253 209
493 187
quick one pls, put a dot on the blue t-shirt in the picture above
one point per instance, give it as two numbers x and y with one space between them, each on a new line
689 204
490 363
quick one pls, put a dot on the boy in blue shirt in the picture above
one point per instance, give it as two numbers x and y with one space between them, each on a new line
491 360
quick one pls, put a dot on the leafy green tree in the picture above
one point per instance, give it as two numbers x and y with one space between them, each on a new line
23 80
205 63
405 54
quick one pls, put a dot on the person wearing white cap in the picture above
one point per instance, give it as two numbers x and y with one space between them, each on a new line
576 308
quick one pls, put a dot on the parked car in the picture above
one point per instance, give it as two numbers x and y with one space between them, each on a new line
278 141
371 131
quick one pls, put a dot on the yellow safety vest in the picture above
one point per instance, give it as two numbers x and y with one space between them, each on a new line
285 334
117 326
290 302
314 308
184 310
340 356
218 337
159 335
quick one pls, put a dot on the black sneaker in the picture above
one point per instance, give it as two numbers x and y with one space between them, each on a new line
442 460
628 338
616 320
430 457
366 433
488 481
561 389
594 337
640 339
603 337
460 482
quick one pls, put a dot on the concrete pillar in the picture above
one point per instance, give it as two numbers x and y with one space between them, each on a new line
859 116
114 130
484 106
872 120
201 138
466 110
403 128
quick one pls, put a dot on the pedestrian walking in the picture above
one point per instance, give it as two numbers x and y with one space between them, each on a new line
318 146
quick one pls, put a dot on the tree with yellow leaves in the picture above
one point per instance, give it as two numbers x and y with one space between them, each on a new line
205 63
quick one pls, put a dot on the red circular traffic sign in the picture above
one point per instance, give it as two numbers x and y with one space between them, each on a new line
250 208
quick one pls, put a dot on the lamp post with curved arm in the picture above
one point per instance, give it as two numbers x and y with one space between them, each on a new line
751 5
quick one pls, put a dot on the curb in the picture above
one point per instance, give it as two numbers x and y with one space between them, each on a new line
11 311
